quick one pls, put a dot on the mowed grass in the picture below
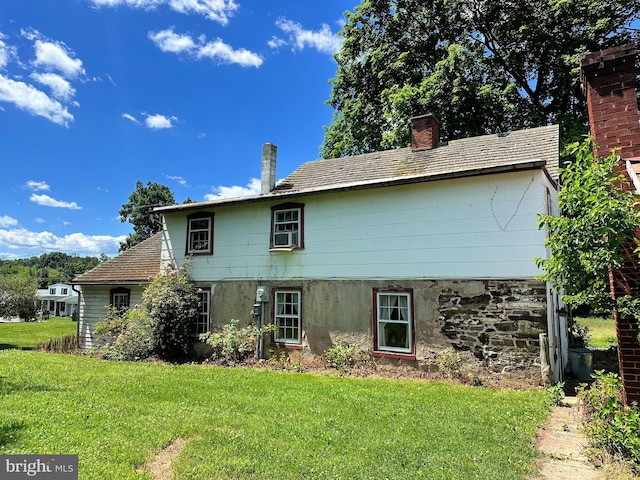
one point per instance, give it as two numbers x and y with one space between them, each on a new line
602 331
25 335
260 424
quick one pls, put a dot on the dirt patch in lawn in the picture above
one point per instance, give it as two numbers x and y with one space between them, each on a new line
159 466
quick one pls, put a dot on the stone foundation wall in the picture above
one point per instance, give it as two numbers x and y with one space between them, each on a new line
498 321
506 318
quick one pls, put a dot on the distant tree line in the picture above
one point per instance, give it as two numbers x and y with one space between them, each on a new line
49 268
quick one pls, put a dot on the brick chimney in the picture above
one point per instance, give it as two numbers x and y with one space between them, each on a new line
608 80
425 132
268 183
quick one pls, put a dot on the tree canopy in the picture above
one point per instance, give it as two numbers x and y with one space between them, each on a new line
139 211
481 66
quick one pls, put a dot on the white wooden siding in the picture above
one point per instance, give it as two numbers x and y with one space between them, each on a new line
478 227
93 308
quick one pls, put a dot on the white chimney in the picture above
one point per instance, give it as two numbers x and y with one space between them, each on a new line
269 151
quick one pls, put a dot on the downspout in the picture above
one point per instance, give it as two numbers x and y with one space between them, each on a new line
79 292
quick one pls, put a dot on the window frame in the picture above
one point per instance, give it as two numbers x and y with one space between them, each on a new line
282 341
203 291
52 290
64 291
384 350
195 217
120 292
283 207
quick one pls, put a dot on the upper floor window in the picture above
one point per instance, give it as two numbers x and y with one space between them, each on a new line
394 321
52 291
120 298
199 234
287 226
64 291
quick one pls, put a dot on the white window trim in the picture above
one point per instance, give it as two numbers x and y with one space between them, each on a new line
408 322
277 316
207 294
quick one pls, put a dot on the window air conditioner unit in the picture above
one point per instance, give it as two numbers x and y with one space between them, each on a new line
284 239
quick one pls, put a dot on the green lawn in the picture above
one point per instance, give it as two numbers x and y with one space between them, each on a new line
25 335
602 331
259 424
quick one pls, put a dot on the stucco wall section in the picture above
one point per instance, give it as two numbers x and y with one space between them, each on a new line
491 318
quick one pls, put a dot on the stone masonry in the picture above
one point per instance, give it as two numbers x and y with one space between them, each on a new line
504 320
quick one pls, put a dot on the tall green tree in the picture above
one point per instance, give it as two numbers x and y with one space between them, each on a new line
139 211
18 296
481 66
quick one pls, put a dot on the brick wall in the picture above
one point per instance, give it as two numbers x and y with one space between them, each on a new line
608 78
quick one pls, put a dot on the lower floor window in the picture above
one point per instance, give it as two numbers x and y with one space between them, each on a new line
287 317
201 324
394 322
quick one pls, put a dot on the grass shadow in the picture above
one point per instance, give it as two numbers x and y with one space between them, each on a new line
8 387
9 346
9 432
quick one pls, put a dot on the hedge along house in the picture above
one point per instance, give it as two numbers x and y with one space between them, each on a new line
116 283
404 252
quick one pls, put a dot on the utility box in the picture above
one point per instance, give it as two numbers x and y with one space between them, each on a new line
262 294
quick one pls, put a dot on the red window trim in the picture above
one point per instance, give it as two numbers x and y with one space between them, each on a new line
385 353
288 206
194 216
295 346
117 290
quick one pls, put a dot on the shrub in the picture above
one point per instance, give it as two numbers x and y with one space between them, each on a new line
450 363
172 301
127 335
233 344
345 357
556 394
610 425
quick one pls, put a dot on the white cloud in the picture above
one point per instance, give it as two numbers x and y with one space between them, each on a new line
276 42
158 121
252 188
215 10
6 221
171 42
33 185
55 55
47 201
60 88
75 242
168 41
323 40
178 179
130 117
218 50
28 98
6 51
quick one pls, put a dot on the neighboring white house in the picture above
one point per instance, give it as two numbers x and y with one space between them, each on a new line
59 299
403 252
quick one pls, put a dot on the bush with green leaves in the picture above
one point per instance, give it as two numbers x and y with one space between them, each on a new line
127 335
233 344
345 357
172 301
611 425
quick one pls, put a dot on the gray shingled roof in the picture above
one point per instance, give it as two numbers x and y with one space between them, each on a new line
468 154
520 149
139 264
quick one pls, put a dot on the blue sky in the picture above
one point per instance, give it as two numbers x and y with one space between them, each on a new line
97 94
